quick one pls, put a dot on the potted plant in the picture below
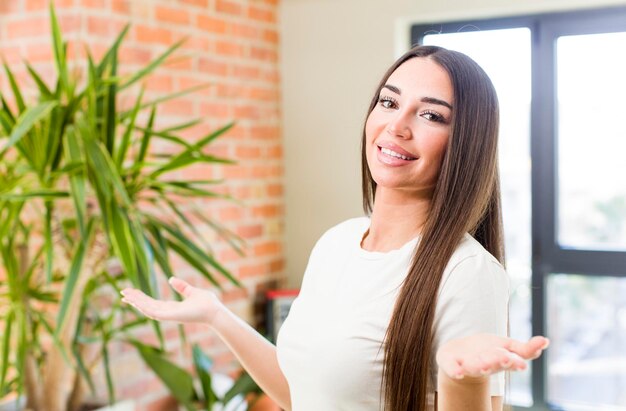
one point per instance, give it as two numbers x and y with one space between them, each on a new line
81 187
200 389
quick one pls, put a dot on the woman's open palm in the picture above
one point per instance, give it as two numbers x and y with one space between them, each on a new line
483 354
198 305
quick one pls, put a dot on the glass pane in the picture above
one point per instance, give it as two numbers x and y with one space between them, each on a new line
505 56
591 141
586 318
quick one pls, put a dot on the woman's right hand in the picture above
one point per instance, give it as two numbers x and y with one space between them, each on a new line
198 305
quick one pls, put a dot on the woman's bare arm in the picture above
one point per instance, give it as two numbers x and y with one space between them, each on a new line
466 364
255 353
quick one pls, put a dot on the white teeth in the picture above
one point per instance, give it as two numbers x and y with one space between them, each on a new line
394 154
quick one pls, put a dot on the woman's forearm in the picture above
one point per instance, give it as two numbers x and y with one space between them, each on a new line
199 306
465 394
255 353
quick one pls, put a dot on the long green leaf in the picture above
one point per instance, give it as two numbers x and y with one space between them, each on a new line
182 126
243 385
95 97
176 379
78 180
159 333
143 255
193 261
186 159
72 278
82 368
59 52
19 99
54 143
104 166
122 149
123 244
160 250
202 364
70 168
43 88
145 140
112 51
190 247
43 296
194 154
138 165
40 316
42 193
165 136
6 348
235 241
182 217
213 135
184 189
48 242
6 108
151 66
6 122
130 325
165 98
22 342
107 372
27 121
111 114
64 116
76 346
97 179
28 273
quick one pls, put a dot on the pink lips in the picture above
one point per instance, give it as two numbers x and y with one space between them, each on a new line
394 147
391 160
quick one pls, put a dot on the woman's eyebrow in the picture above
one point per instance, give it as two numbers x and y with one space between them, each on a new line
393 88
431 100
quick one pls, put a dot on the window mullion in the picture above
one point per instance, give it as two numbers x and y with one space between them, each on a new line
542 188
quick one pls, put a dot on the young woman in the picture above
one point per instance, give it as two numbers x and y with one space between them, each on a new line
405 309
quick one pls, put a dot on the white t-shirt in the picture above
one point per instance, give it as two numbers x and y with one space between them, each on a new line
330 345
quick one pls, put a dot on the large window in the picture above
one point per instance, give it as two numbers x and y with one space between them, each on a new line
561 82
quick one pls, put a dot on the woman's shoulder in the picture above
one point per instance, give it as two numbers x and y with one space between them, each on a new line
346 229
471 262
470 248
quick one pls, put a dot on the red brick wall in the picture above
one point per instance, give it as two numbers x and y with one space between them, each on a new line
232 44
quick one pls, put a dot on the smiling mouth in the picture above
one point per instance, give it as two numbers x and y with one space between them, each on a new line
392 153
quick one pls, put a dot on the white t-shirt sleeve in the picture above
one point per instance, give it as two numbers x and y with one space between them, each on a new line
473 298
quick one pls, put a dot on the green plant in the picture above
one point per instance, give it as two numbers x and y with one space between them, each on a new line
195 390
81 186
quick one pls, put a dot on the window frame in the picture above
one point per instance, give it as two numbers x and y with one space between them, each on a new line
548 257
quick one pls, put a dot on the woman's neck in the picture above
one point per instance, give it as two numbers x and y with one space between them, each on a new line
396 219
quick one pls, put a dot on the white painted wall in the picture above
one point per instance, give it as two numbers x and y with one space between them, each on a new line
333 53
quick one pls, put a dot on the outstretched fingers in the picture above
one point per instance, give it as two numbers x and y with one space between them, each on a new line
530 349
499 359
487 362
480 355
182 287
147 305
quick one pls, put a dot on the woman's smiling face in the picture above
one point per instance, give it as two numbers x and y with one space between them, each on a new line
407 132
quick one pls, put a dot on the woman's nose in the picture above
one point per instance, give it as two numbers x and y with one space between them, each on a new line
399 126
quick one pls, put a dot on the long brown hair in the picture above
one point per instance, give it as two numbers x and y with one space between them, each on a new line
466 199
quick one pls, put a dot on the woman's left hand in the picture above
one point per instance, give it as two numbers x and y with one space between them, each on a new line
480 355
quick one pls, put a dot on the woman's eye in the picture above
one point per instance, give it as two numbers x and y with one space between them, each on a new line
432 116
387 102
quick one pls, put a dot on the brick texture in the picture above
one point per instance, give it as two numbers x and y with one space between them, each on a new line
232 45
